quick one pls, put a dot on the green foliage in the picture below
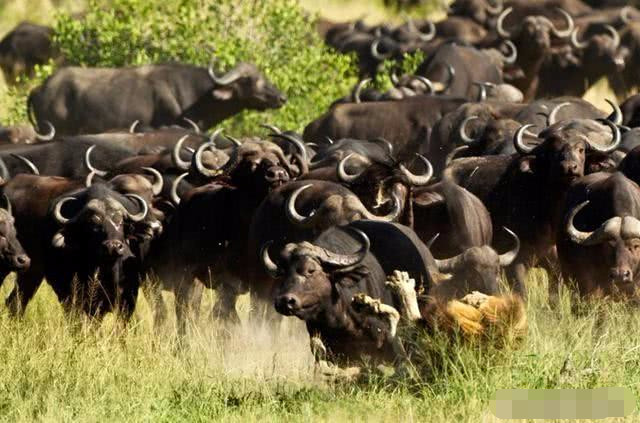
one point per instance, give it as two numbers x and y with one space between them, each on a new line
276 35
407 66
13 102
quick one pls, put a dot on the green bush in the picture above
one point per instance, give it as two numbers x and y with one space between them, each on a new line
276 35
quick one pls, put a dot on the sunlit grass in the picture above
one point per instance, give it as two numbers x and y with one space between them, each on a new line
58 369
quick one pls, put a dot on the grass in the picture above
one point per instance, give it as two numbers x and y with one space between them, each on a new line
55 369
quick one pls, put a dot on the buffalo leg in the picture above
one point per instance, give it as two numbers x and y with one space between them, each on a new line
27 284
516 275
153 293
184 292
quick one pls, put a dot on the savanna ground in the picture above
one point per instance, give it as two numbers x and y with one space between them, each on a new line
57 369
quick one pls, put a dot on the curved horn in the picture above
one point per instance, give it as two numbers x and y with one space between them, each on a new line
615 36
226 79
4 172
50 135
418 180
296 143
57 210
134 125
342 173
494 9
270 266
553 115
7 204
462 131
88 180
32 167
423 36
158 182
87 163
451 74
625 14
194 125
329 140
197 161
426 81
500 23
385 143
574 39
433 240
271 128
175 198
292 213
347 262
452 155
580 237
213 136
376 54
616 116
355 95
175 154
616 138
234 140
570 25
507 258
513 52
143 205
391 216
518 141
394 78
449 265
482 91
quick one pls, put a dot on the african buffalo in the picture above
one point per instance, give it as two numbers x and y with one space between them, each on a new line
89 100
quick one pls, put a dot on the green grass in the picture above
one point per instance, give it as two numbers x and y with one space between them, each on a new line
54 369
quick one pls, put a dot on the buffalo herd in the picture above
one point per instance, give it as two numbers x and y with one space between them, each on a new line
425 204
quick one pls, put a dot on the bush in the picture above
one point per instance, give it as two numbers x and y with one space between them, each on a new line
276 35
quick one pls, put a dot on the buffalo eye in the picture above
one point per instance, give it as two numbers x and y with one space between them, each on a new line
581 150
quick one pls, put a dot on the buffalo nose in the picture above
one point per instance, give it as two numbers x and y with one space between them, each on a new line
114 247
277 174
622 275
287 304
22 261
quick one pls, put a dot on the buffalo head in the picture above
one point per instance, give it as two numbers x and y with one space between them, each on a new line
12 256
94 221
477 268
248 85
309 276
619 241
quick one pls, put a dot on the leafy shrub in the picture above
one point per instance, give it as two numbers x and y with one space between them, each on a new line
276 35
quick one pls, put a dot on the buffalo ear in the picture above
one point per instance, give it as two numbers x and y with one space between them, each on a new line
350 278
596 162
527 164
223 93
426 198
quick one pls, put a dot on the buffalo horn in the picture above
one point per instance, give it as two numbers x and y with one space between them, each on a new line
226 79
32 167
89 166
292 213
134 125
355 95
616 116
418 180
57 210
50 135
175 198
342 172
500 23
158 180
518 142
462 132
347 262
194 125
616 138
175 154
144 208
270 266
507 258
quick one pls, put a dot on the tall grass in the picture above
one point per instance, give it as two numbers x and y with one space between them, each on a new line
56 369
